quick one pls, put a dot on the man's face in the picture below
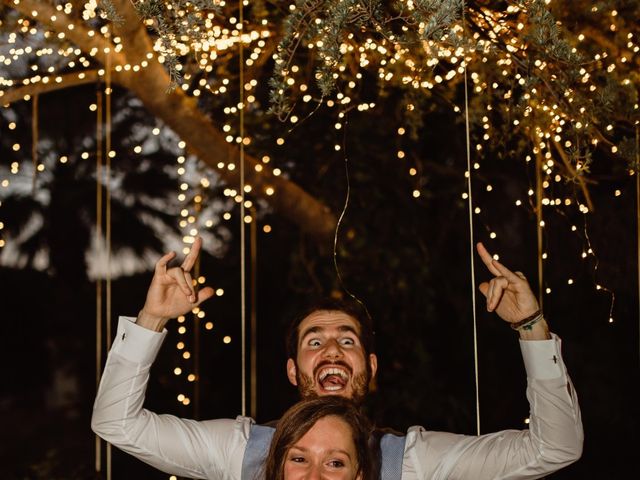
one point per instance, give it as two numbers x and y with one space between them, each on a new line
331 359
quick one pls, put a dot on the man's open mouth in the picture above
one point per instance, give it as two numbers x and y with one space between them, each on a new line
332 378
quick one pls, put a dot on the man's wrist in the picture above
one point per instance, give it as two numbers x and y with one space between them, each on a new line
538 331
151 322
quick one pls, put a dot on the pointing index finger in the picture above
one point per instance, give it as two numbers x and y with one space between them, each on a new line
192 256
487 259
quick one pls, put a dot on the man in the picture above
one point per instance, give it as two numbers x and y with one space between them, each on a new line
332 355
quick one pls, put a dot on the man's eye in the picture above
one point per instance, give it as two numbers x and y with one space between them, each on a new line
296 459
336 464
347 341
314 343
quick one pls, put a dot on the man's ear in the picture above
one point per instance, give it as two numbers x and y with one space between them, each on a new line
373 366
373 362
291 372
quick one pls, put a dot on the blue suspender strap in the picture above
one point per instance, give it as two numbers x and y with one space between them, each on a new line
392 451
256 451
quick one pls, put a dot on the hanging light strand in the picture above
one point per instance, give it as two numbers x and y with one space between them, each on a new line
471 235
638 213
107 201
243 280
539 225
342 214
34 141
99 318
107 191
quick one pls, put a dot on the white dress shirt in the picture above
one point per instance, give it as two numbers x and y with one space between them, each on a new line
214 449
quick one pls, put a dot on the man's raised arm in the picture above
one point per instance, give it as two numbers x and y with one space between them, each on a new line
554 438
207 449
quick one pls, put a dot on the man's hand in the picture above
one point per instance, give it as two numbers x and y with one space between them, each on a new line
509 295
171 292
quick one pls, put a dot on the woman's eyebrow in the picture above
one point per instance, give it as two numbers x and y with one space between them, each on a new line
339 450
295 447
332 451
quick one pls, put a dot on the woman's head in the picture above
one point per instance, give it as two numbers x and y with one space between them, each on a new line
326 436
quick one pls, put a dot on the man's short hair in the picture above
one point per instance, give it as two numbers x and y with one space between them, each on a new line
351 307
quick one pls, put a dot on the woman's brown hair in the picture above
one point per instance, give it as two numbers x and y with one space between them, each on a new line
299 419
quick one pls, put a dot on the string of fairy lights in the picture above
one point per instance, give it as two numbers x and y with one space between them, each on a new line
445 65
192 222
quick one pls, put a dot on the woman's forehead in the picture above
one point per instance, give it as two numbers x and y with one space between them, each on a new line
330 431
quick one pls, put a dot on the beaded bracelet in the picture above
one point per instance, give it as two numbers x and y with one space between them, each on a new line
528 322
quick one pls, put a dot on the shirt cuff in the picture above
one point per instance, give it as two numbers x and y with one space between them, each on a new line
542 358
135 343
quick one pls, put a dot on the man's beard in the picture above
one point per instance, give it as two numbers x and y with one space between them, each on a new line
359 383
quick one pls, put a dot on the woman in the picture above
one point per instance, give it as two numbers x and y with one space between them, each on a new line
326 437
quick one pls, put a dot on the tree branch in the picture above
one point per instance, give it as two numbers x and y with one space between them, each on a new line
58 82
132 32
573 173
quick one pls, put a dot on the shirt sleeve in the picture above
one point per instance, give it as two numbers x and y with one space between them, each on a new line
553 440
188 448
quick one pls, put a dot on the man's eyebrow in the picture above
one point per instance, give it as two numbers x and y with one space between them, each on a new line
319 329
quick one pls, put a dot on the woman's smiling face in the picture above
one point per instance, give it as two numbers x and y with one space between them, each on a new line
327 451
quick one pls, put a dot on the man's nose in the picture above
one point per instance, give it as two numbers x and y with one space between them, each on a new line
332 348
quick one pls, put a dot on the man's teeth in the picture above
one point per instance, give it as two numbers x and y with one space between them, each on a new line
333 388
333 371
